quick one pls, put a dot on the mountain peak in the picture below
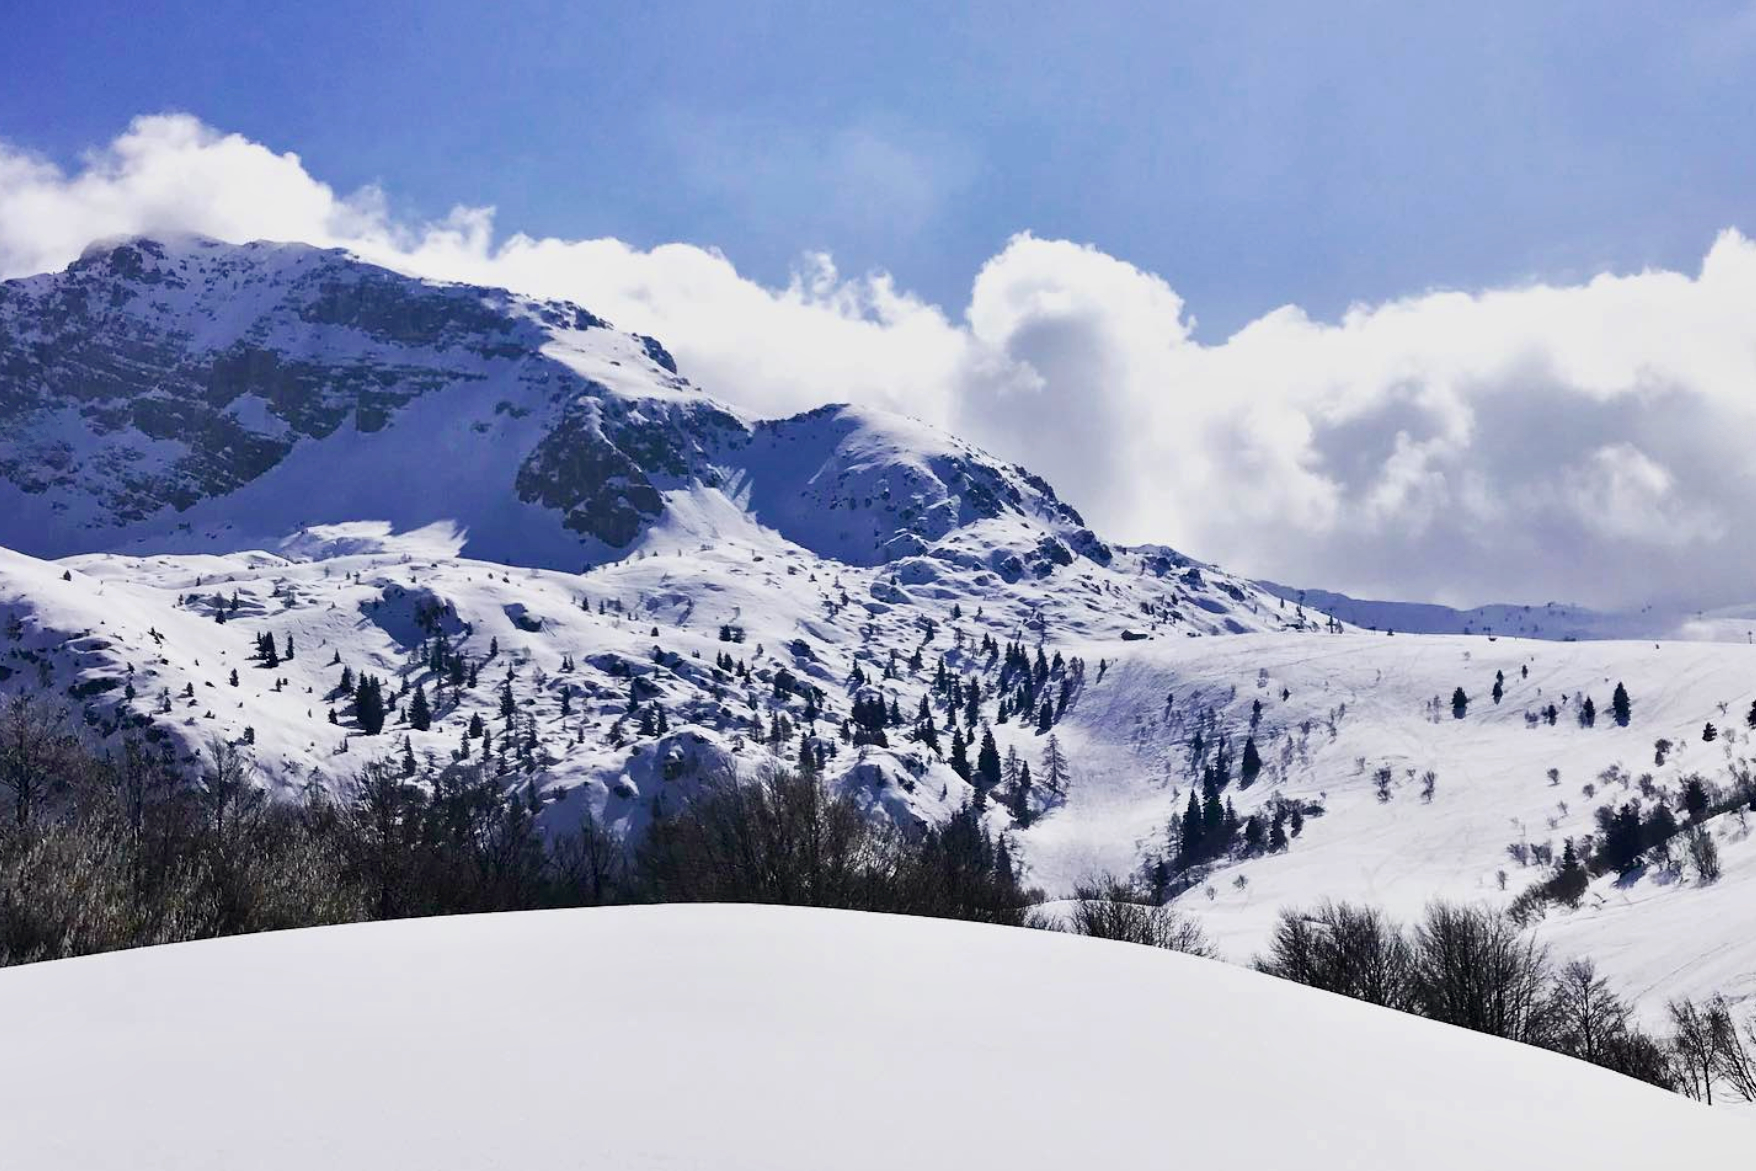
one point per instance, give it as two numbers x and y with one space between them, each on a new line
174 392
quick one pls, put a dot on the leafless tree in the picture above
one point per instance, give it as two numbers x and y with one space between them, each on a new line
1107 907
1338 947
1473 967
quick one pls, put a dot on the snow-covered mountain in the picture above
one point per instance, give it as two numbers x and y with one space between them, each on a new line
274 440
1552 621
776 1038
186 395
532 525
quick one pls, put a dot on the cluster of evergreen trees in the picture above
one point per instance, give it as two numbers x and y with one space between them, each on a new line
1639 833
1209 827
267 655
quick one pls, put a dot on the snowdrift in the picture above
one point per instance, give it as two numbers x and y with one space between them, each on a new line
771 1038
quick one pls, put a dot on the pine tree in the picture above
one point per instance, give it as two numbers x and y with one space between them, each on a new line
1695 798
1046 717
1459 704
1021 797
1620 707
1588 713
1571 879
420 715
960 756
1250 766
1499 685
988 760
1277 831
369 705
234 677
1192 839
1055 770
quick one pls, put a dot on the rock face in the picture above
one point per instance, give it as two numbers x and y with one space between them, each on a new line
183 394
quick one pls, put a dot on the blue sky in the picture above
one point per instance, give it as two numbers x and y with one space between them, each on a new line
1290 153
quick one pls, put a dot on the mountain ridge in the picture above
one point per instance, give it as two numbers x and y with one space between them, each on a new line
156 394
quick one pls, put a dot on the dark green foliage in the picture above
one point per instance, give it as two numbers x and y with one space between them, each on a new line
420 715
988 761
1695 798
369 704
1250 764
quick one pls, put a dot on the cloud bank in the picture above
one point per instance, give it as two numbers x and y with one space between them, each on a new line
1587 442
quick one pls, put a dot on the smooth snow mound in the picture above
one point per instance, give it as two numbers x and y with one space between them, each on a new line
772 1038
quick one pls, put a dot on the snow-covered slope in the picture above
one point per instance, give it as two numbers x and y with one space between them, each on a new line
772 1039
1553 621
1339 708
135 643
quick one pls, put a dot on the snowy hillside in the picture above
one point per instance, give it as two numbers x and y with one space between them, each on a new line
137 643
1338 710
1553 621
772 1038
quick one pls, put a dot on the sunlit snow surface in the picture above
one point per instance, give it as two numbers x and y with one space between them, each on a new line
771 1039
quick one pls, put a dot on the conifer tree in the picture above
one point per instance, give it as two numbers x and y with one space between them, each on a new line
1250 765
1620 707
1459 704
1021 797
988 760
1695 799
369 705
1055 770
1277 831
1191 841
420 715
959 759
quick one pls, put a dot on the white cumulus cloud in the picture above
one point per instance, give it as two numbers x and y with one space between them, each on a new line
1586 441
